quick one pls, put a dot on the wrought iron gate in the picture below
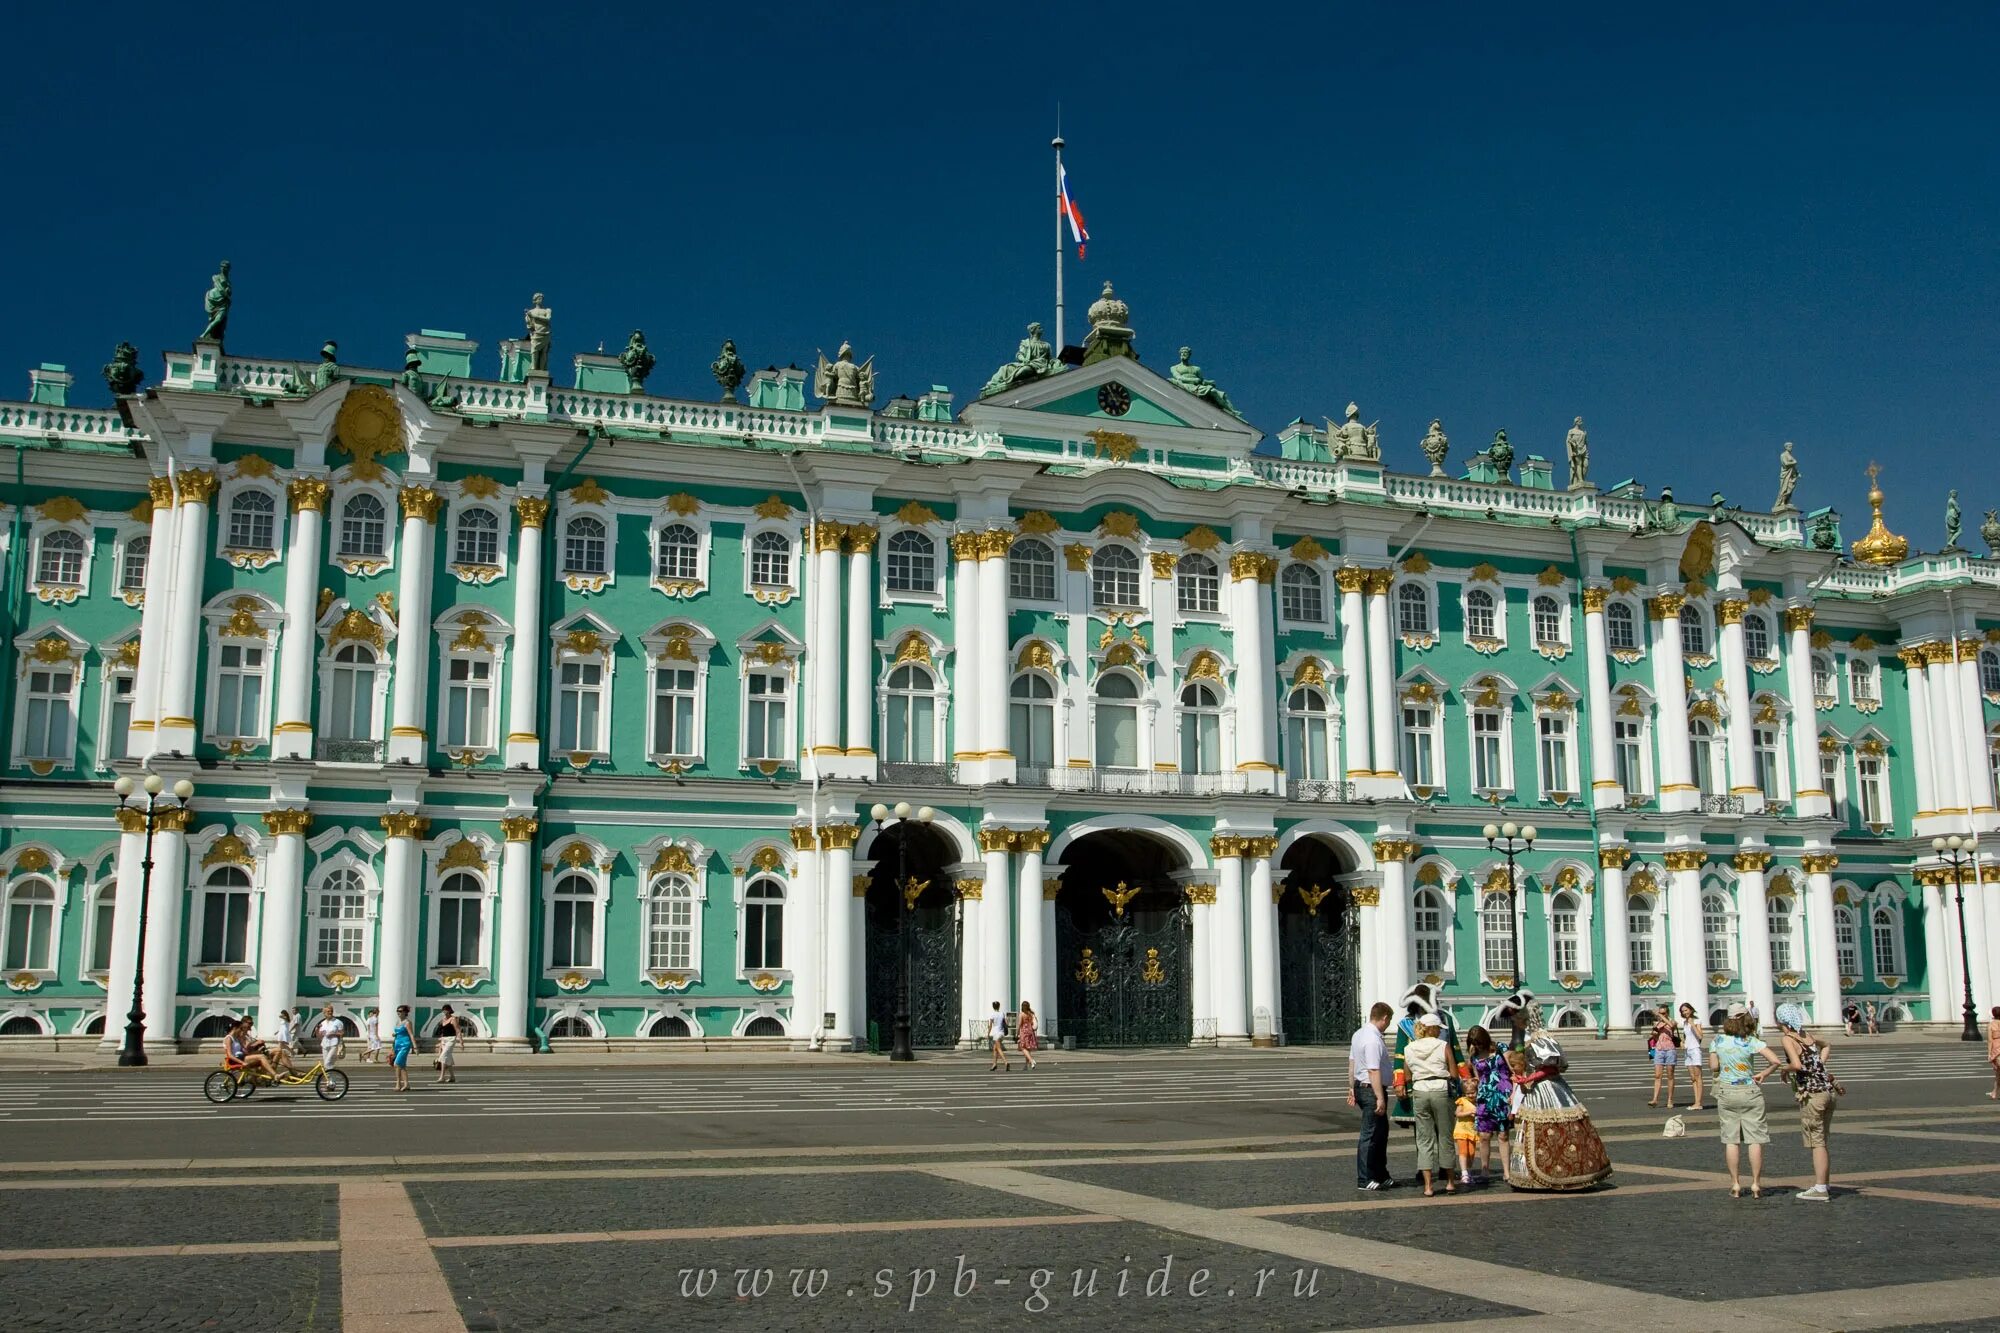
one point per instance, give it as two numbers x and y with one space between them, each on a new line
933 945
1318 970
1128 980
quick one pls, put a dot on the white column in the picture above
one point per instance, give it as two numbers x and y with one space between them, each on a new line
1615 967
396 926
1032 948
292 735
163 927
823 647
1972 732
524 666
1754 930
1982 924
154 621
1687 962
1382 671
968 658
1736 680
972 1001
1942 965
1367 900
808 944
1051 986
124 924
860 738
517 898
997 915
1253 672
1266 1009
994 675
408 738
840 908
1605 792
1356 706
279 926
1201 957
1392 859
175 726
1922 752
1677 790
1822 959
1227 945
1808 799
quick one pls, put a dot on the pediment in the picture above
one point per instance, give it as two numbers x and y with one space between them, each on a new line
1142 403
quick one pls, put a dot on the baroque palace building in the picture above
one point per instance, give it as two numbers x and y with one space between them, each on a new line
569 706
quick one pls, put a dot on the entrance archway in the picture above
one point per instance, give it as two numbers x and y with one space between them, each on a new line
930 935
1124 943
1319 946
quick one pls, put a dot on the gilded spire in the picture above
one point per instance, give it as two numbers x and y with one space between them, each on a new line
1880 546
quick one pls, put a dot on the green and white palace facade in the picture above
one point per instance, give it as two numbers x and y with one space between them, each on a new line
569 706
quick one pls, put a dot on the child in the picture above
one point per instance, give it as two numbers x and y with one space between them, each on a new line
371 1027
1464 1134
1517 1069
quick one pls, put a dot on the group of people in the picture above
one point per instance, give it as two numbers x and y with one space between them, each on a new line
1025 1037
271 1058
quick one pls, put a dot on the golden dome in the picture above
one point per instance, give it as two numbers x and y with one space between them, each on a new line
1880 546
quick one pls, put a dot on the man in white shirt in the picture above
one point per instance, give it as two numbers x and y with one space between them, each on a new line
1368 1078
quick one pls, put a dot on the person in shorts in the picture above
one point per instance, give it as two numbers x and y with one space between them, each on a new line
1739 1096
1665 1046
1819 1095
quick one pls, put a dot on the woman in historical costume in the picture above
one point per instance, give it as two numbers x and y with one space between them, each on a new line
1555 1147
1421 1000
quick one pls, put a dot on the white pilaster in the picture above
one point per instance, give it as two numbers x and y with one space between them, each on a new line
1808 800
1754 930
1677 790
1615 967
840 917
1382 672
524 665
1392 859
396 927
810 949
124 924
1736 680
1922 753
1357 706
824 649
1227 944
1686 960
994 674
1367 900
1943 966
968 657
1605 791
997 913
1032 946
409 740
1972 735
1822 961
1248 574
1266 1009
292 735
860 737
175 727
517 897
1201 894
279 926
155 621
974 1016
1051 990
163 928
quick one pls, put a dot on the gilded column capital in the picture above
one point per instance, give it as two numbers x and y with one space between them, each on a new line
1252 565
1686 858
1798 617
1077 556
1614 858
860 884
196 486
802 838
278 823
973 890
1395 849
994 839
308 493
174 819
161 489
1031 840
827 536
994 543
1349 578
420 502
1968 650
1819 863
1594 599
1729 611
1666 606
1164 563
519 828
861 538
533 511
1911 657
131 819
1365 895
1750 862
405 825
1938 652
1260 849
1051 890
839 837
1225 847
1201 895
1380 581
965 546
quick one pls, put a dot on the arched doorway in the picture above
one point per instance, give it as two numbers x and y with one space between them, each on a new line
924 923
1319 946
1124 943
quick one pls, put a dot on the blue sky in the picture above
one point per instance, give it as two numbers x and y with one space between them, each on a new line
1707 235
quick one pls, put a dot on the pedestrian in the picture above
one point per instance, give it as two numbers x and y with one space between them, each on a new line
1465 1134
1872 1019
1848 1016
330 1031
1993 1053
996 1034
1493 1091
1691 1035
403 1040
1665 1045
1739 1096
1819 1094
1368 1078
450 1030
1026 1038
371 1028
1428 1061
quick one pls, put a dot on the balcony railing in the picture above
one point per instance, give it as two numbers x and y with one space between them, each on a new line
918 775
347 752
1722 805
1132 781
1300 789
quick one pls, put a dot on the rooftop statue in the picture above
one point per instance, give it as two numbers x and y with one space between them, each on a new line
1989 532
443 396
1666 513
329 361
1578 441
539 319
843 383
728 370
216 303
1034 359
1501 453
1954 522
122 371
638 360
1435 446
1826 533
1187 376
1351 439
1788 477
413 372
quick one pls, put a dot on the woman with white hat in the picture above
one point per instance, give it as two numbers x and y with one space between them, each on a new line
1428 1061
1819 1094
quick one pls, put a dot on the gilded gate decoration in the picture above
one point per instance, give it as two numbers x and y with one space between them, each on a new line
1319 945
1126 975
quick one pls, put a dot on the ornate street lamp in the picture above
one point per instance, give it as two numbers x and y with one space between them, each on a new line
1510 839
133 1053
1958 853
897 821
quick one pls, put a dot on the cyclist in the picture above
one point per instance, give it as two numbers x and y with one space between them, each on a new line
246 1052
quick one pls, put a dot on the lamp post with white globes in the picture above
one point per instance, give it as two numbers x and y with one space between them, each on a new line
1516 839
1958 853
133 1052
896 820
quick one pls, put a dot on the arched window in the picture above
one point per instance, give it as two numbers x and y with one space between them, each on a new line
253 522
478 539
670 1025
1822 676
1621 627
763 1026
1756 636
770 560
670 909
586 545
1117 721
1201 729
461 913
364 526
1846 943
1989 670
1887 940
1481 622
1701 754
1548 620
350 712
132 572
764 923
570 1025
1639 933
1694 631
1496 945
1114 577
1430 917
1718 934
1302 595
1306 752
340 920
1031 720
1861 679
225 917
677 554
1565 939
911 734
1767 752
1778 924
31 926
60 561
910 562
215 1025
1413 609
1031 570
573 937
1198 585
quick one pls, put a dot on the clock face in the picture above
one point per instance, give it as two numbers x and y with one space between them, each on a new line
1114 399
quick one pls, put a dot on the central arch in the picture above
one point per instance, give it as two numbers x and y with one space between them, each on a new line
1124 939
918 930
1319 943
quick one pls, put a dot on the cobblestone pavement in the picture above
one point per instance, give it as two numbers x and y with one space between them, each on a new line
1033 1209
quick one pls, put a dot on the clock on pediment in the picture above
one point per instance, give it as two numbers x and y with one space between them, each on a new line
1114 399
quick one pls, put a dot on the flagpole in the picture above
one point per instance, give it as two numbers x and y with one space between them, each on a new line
1057 144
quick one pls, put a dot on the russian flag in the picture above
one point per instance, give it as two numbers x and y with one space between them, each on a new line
1067 207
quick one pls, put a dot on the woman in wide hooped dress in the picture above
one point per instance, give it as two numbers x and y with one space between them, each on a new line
1554 1147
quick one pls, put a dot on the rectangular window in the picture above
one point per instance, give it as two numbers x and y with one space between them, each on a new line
673 712
580 708
458 930
1487 772
765 730
239 692
1764 749
1846 947
1639 939
1627 736
1829 781
49 715
1554 728
225 928
1417 767
1861 679
103 917
1874 791
468 703
116 742
338 934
